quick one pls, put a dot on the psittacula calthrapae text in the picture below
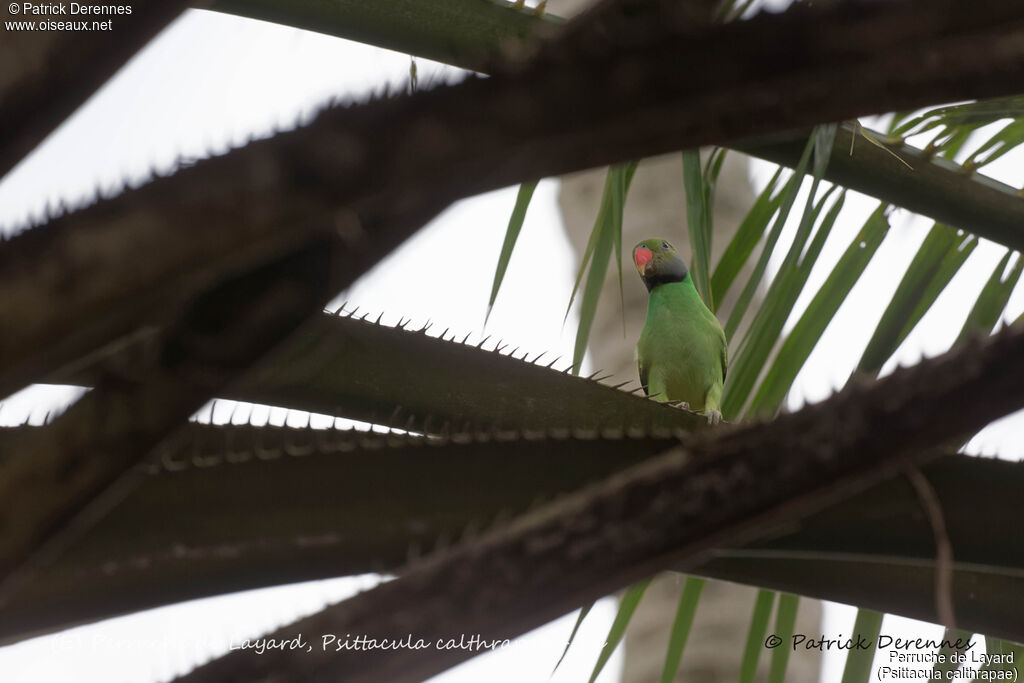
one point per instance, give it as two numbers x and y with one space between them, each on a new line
682 353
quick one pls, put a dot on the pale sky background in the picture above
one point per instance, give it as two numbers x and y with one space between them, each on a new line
212 80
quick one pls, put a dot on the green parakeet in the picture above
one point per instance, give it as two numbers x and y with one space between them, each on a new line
682 353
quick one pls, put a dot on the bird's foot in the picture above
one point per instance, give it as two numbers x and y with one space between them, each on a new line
713 416
684 405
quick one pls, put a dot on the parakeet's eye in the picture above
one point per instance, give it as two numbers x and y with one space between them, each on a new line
665 245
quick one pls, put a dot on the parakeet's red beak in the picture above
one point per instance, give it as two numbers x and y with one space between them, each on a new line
642 256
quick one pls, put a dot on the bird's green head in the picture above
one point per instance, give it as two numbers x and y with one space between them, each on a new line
658 262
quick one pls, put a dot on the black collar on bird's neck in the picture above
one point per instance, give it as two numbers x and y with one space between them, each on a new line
673 271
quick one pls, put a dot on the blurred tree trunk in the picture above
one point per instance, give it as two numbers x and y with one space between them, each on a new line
655 207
